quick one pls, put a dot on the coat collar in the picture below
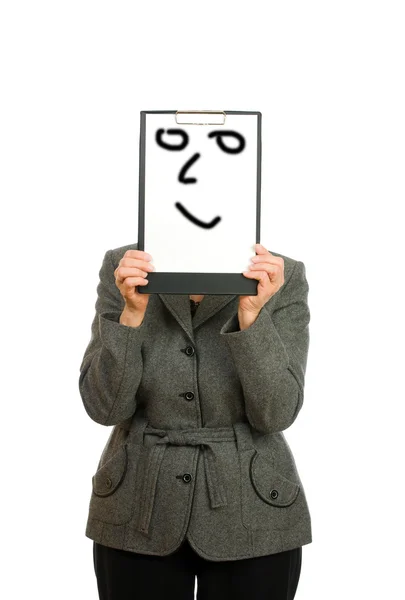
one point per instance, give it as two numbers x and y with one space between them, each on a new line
179 306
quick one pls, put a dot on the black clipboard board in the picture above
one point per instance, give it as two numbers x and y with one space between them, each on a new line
186 228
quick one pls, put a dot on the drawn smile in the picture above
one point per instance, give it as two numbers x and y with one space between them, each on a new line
194 219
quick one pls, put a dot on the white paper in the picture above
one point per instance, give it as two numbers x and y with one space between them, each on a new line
225 187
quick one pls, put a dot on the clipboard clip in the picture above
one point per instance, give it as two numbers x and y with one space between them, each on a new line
198 117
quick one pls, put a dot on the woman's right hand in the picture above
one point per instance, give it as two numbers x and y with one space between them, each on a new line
131 272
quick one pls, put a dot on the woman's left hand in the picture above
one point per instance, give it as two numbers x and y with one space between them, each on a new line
269 270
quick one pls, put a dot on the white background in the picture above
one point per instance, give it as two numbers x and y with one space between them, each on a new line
329 80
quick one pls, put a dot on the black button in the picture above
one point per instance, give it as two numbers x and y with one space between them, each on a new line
187 477
108 482
274 493
189 350
189 395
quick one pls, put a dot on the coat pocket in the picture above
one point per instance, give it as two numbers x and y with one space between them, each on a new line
114 486
270 485
108 477
269 498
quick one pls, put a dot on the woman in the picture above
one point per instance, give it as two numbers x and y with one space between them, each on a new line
197 479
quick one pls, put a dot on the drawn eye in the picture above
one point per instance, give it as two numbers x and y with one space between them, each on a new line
175 132
232 134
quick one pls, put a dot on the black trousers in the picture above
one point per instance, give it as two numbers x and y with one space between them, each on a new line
124 575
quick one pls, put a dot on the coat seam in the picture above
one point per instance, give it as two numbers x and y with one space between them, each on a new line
124 369
216 555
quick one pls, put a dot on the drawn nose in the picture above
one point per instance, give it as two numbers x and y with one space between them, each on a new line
185 168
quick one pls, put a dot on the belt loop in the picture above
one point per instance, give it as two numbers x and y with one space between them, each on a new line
126 425
137 430
244 437
150 478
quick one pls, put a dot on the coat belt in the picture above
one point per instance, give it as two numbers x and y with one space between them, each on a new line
206 437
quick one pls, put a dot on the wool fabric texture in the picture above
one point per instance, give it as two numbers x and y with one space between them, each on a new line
198 410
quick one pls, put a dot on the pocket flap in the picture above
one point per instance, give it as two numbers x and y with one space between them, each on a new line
271 485
109 476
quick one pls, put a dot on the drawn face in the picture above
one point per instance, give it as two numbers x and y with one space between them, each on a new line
199 192
177 140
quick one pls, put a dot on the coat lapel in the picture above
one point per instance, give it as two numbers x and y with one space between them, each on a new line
179 306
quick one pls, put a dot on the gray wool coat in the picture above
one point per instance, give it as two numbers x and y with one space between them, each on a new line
198 409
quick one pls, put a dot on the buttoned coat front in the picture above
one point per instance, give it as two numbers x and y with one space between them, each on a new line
198 409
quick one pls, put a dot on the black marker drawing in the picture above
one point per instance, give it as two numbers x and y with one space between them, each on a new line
185 168
220 134
183 171
163 144
194 219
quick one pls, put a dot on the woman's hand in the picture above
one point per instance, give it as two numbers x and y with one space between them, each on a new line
131 272
269 270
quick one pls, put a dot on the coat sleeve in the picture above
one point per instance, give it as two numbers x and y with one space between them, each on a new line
111 369
271 355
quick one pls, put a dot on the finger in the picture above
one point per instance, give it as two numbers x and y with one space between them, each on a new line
127 261
260 248
277 260
261 276
131 282
122 273
270 268
138 254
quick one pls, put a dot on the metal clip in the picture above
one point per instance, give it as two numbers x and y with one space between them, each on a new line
217 117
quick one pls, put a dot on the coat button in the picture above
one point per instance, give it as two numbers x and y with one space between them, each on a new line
187 477
189 350
108 482
274 494
189 395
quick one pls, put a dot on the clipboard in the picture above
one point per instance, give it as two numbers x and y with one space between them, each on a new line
199 199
